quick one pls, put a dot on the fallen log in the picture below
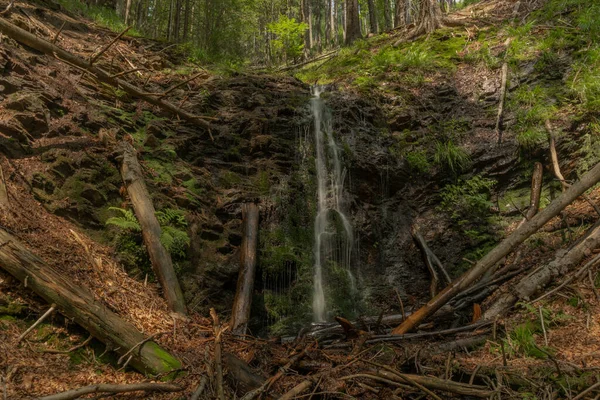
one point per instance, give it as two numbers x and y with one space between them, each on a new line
504 248
28 39
434 383
242 303
531 284
105 388
240 375
80 304
132 175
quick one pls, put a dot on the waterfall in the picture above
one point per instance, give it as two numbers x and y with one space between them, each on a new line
332 229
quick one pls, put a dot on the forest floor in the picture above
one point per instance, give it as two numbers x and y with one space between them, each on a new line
520 356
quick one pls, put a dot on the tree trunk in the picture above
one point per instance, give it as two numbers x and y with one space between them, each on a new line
372 17
245 284
145 213
560 266
309 20
333 19
400 16
430 16
127 11
186 20
352 21
500 251
80 304
387 14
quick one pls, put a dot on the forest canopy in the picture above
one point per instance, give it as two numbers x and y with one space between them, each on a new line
262 32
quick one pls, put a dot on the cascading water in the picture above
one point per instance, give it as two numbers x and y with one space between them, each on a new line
333 237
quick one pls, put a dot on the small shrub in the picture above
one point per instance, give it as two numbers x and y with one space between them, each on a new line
448 155
532 138
468 199
129 242
417 161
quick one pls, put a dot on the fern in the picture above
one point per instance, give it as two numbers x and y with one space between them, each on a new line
175 241
171 216
172 224
127 221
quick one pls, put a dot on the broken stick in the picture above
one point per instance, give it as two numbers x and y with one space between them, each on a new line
105 388
39 321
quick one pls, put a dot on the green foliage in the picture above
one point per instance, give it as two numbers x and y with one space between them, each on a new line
414 57
448 155
521 339
173 235
417 161
468 199
289 41
532 138
127 221
129 242
103 16
483 56
589 152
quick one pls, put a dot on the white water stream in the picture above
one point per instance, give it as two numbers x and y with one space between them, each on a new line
333 237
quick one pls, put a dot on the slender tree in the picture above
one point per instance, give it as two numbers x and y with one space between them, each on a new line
372 16
352 21
387 14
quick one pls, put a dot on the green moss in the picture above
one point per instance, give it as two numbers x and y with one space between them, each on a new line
418 161
159 170
169 365
229 179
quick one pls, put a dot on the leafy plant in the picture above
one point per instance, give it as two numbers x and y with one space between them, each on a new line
129 241
449 155
531 138
468 199
289 42
417 161
127 220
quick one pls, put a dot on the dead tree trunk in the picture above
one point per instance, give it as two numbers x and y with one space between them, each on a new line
160 258
500 251
3 192
431 261
245 284
536 190
48 48
531 284
80 304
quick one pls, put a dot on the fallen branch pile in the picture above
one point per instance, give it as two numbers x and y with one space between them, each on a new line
28 39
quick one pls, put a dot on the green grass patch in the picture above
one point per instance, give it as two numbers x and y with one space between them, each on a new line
105 17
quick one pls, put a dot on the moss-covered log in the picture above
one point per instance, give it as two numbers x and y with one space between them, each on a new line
79 304
151 232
